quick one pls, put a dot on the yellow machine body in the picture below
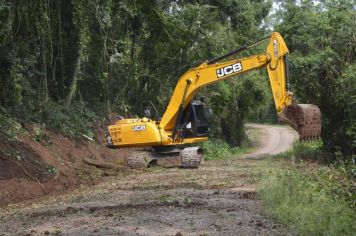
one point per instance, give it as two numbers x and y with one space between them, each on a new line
143 132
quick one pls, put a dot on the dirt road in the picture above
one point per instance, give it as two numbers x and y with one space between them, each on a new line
219 198
276 139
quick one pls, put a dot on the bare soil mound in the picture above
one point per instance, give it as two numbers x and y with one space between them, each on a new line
32 167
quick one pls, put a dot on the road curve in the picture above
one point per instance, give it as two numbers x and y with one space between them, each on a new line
274 139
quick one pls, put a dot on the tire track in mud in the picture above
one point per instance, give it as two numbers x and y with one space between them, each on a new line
217 199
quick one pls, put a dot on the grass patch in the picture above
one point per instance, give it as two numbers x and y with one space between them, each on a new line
217 149
307 151
312 201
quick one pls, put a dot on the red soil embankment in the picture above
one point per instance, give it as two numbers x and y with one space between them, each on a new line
30 169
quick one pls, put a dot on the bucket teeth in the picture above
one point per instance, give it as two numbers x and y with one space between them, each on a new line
305 119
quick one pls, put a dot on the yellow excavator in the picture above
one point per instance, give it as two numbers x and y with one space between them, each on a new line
185 120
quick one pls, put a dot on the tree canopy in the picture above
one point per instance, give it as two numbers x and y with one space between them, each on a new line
66 62
322 42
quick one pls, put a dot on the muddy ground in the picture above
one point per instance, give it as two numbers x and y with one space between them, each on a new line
219 198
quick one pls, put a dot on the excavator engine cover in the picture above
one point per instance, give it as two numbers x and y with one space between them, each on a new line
304 118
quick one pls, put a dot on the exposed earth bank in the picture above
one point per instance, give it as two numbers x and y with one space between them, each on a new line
35 164
219 198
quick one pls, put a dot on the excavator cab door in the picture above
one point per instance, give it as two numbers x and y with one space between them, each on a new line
195 120
200 123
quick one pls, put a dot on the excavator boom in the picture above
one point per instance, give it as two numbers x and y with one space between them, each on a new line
184 122
304 118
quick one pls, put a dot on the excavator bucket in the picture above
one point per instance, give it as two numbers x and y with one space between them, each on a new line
304 118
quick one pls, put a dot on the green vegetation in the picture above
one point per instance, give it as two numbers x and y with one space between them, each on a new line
218 149
215 149
307 151
12 129
322 42
312 201
67 64
72 121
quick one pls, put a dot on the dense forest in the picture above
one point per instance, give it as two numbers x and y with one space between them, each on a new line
70 64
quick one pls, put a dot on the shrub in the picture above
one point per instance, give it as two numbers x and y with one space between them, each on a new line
307 150
72 121
215 149
10 128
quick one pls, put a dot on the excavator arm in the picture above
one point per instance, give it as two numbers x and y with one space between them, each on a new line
210 72
173 130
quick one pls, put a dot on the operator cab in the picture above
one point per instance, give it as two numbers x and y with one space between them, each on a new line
194 122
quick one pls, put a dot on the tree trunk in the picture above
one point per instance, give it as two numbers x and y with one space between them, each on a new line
75 77
61 53
43 89
44 94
